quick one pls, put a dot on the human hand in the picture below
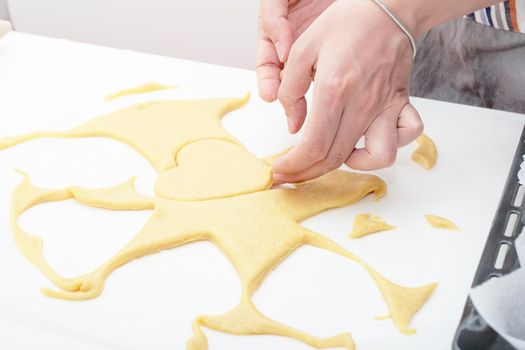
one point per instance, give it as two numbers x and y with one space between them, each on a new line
361 62
281 22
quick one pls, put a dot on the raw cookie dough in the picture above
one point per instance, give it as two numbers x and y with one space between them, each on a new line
365 224
158 129
426 152
141 89
225 158
440 222
397 296
256 228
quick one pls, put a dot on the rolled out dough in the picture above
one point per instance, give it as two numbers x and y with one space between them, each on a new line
158 130
224 199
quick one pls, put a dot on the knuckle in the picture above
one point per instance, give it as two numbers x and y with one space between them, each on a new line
297 52
266 24
316 151
284 96
418 126
352 78
386 158
334 161
368 101
333 86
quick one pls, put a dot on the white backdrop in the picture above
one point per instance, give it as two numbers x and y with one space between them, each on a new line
3 10
221 32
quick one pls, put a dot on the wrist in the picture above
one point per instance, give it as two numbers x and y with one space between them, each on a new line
416 17
399 22
422 15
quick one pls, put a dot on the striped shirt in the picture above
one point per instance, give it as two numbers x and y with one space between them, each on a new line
506 15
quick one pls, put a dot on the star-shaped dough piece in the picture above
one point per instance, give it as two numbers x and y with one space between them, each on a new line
209 188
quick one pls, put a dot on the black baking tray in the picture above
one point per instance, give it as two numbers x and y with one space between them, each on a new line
473 333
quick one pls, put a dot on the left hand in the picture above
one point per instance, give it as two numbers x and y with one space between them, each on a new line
281 22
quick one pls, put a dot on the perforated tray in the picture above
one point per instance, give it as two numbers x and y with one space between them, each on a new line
499 258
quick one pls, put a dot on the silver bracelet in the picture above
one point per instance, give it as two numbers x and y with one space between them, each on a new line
400 24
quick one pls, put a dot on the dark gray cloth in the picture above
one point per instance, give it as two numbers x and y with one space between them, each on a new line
470 63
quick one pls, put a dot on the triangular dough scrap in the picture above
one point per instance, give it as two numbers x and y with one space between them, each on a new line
235 171
426 152
440 222
402 302
365 224
140 89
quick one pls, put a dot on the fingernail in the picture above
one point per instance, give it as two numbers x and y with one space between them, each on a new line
289 121
280 51
278 179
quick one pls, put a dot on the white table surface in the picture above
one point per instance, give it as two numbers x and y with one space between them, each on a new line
50 84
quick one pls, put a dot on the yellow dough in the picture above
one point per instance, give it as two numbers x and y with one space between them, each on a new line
255 227
440 222
402 302
426 152
225 158
141 89
158 130
365 224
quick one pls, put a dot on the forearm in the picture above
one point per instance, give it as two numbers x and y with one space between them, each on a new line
422 15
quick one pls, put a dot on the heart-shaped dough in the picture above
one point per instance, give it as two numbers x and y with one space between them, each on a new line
235 171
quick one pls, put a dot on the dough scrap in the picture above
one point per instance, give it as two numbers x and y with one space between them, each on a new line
140 89
426 152
441 222
403 302
255 227
365 224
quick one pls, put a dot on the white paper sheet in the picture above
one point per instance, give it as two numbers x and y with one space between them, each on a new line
50 84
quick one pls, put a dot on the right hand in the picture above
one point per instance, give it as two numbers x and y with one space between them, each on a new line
361 61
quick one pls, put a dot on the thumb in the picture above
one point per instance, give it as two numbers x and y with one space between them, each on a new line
273 22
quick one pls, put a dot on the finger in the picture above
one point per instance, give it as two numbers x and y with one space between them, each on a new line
409 125
344 143
275 26
321 129
268 70
295 82
380 146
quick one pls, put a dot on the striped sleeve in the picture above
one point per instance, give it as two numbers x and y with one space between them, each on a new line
506 15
